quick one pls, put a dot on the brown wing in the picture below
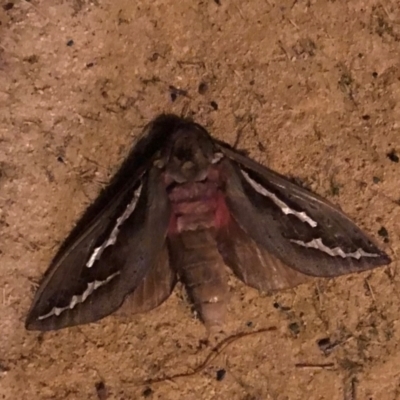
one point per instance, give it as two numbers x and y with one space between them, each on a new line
301 228
254 265
154 289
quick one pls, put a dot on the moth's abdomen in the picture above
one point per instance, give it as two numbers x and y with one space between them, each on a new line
202 270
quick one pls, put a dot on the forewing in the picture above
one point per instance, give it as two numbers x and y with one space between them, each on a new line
301 229
253 264
108 261
154 289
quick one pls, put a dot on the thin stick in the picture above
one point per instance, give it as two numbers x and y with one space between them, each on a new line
214 353
350 389
315 366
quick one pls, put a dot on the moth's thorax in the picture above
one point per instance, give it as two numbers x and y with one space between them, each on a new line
194 182
189 156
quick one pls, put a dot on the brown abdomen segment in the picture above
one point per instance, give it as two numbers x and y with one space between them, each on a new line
201 268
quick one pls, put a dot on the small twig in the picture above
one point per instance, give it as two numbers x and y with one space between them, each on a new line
293 23
319 294
200 64
315 366
215 352
239 135
370 290
384 8
40 12
240 12
350 389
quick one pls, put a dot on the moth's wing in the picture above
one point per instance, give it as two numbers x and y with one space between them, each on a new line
253 264
154 289
80 288
301 229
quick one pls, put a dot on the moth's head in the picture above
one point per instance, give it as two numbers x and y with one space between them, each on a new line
189 154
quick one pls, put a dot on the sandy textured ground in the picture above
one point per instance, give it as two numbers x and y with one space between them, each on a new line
311 88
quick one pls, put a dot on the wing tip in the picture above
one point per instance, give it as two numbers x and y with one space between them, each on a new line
384 259
31 325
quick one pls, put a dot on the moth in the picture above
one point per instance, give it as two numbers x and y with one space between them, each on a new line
183 207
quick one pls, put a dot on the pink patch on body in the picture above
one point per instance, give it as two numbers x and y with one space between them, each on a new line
197 205
222 214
